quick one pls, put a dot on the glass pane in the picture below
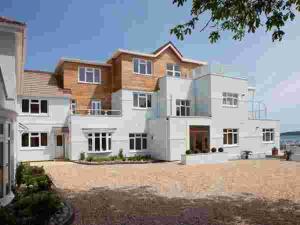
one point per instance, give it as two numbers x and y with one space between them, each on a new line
188 111
82 74
97 76
264 136
1 154
268 136
25 140
144 143
143 68
169 66
177 102
235 139
44 139
149 101
187 102
25 105
177 111
224 101
34 141
8 130
1 129
177 68
35 108
142 102
59 140
44 106
182 111
235 101
149 67
138 143
177 74
135 99
225 139
109 143
144 135
90 143
136 65
103 143
131 143
97 134
97 144
89 77
131 135
169 73
230 138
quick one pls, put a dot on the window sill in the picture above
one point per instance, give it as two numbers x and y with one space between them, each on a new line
32 115
98 152
137 151
142 74
33 148
82 82
230 106
268 142
143 109
230 146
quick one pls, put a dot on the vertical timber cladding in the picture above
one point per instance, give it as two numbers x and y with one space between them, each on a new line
84 93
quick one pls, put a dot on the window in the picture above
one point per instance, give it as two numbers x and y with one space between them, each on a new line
73 106
173 70
142 100
230 99
183 107
95 107
141 66
268 135
34 106
230 136
89 75
34 140
138 141
99 142
1 129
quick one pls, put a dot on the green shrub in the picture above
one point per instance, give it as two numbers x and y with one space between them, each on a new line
7 217
120 155
38 183
37 208
19 174
188 152
90 158
82 156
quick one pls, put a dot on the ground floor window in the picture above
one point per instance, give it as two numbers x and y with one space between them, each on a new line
137 141
99 142
34 139
230 136
268 135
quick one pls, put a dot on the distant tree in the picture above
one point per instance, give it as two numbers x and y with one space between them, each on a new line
238 17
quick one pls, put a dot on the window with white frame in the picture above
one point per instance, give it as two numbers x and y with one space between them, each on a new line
142 100
141 66
173 70
230 99
183 107
73 106
34 140
137 141
34 106
268 135
89 75
95 107
230 136
99 142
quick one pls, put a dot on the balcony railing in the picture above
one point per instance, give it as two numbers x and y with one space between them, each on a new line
97 112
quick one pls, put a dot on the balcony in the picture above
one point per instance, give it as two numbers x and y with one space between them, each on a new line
257 110
97 112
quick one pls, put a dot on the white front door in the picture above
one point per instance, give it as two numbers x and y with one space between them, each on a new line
96 107
59 146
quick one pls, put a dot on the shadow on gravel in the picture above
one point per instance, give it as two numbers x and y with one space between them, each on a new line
142 206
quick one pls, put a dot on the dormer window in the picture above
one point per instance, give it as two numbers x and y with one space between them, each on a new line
173 70
141 66
89 75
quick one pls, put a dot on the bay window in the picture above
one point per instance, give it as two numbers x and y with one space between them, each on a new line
34 140
142 100
141 66
89 75
230 136
99 142
137 141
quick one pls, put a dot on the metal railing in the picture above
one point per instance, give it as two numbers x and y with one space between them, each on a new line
97 112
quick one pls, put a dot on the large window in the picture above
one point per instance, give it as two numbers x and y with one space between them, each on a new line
99 142
230 136
137 141
89 75
268 135
34 140
173 70
142 100
34 106
183 107
230 99
141 66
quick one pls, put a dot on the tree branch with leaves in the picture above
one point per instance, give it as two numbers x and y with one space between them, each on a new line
238 17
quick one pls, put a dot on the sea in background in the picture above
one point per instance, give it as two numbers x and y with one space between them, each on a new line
289 139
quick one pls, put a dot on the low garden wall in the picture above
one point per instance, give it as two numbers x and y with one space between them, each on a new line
295 156
204 158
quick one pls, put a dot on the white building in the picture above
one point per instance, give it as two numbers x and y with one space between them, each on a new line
12 35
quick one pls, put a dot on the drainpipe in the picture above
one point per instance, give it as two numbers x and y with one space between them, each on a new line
167 138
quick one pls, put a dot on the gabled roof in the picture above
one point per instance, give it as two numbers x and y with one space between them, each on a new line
41 83
157 52
11 21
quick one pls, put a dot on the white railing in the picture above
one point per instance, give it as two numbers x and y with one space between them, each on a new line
97 112
257 110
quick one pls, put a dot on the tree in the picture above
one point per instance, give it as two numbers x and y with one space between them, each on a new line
238 17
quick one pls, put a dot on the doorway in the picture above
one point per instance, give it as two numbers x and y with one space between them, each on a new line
199 139
59 146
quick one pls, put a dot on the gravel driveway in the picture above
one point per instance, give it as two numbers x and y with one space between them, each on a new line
237 192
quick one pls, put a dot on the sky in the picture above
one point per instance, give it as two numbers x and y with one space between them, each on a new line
93 30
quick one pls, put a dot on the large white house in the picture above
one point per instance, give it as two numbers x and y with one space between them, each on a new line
12 35
160 104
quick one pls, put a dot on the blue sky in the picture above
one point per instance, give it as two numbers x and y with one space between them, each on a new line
94 30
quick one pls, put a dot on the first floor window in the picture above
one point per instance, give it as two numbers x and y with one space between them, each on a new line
141 66
99 142
137 141
183 107
34 106
173 70
142 100
230 136
89 75
268 135
34 139
96 107
230 99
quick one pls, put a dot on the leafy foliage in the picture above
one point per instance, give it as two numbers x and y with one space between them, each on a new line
238 17
19 174
82 156
188 152
7 217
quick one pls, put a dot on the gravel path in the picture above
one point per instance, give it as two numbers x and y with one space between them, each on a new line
271 179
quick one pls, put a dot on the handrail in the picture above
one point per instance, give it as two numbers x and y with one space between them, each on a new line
97 112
